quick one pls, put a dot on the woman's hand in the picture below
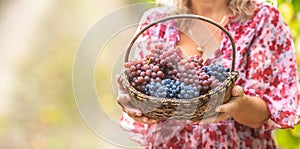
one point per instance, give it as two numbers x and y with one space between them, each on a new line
246 110
123 100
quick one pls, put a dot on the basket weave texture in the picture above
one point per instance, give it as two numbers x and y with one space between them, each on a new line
186 109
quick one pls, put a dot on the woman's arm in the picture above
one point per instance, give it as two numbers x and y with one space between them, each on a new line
248 110
123 100
269 82
271 68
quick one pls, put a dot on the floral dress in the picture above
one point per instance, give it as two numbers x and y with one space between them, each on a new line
265 60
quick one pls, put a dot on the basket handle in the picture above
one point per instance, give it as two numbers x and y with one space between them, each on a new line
180 16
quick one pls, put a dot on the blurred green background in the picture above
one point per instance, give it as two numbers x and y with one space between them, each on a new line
38 42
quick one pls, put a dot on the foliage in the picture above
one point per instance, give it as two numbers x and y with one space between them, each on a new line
288 138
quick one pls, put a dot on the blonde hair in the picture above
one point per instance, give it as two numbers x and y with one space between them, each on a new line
242 9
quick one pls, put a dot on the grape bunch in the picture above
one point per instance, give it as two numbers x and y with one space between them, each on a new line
191 73
157 65
141 74
171 60
191 63
188 91
188 70
168 88
218 71
166 59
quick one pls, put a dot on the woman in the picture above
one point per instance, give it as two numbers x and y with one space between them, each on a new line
265 95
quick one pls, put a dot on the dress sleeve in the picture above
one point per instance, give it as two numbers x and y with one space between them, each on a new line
272 71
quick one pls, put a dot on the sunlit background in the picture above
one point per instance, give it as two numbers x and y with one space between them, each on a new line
38 42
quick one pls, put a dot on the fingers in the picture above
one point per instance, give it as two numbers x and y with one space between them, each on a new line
120 86
136 114
149 121
231 106
237 91
132 111
123 101
226 107
143 119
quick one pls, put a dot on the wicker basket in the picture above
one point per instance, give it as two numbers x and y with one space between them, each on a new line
186 109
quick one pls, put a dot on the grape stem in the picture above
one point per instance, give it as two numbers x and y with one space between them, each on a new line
149 61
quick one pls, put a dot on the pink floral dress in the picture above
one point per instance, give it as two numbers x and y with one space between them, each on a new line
265 60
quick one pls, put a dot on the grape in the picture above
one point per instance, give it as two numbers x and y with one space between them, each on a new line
186 80
133 74
140 80
164 94
186 66
147 78
155 68
205 76
153 75
160 74
148 72
205 83
145 67
132 68
127 65
192 65
157 79
182 92
163 63
138 66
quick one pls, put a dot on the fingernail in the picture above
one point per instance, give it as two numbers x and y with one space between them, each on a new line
234 90
138 114
145 119
218 109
